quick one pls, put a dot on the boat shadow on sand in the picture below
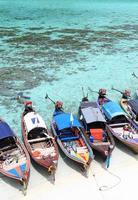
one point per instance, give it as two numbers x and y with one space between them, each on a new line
13 183
119 145
99 158
41 170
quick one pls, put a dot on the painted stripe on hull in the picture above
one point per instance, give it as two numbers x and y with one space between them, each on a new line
18 171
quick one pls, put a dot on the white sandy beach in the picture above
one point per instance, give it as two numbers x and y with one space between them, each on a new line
72 184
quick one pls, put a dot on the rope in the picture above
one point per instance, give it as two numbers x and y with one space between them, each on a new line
106 187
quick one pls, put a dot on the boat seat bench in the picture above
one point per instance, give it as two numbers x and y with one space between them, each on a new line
101 143
8 147
65 139
119 124
37 139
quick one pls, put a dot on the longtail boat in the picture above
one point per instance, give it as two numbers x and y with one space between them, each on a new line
131 108
69 136
38 140
122 127
14 158
97 133
129 105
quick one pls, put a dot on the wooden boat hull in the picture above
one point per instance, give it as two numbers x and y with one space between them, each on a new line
132 145
122 126
23 178
137 93
105 148
127 137
48 162
91 118
124 105
84 161
15 160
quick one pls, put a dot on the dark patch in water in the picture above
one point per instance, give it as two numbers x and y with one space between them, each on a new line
124 27
29 39
36 28
2 50
23 18
32 55
70 39
19 79
71 73
84 69
8 32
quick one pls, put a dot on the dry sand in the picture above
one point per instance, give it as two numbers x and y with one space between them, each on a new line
120 181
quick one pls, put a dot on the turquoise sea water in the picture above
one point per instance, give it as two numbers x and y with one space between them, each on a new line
59 46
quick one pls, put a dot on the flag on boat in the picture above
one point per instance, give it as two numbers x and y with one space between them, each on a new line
71 119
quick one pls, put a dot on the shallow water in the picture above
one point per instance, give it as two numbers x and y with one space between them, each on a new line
58 47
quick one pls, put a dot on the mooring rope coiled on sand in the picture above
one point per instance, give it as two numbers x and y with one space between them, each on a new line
106 187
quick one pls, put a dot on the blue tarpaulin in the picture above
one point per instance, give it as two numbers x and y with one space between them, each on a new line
66 120
5 130
112 109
